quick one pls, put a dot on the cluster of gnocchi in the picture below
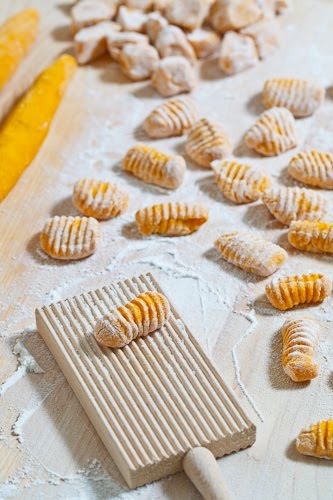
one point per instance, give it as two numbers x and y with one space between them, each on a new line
161 40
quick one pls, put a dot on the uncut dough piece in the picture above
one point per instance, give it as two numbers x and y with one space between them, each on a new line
312 167
154 25
131 19
316 440
237 53
90 43
188 14
301 97
288 204
17 35
89 12
239 182
250 252
172 41
300 339
228 15
204 41
154 167
172 118
207 141
273 133
311 236
143 315
171 219
116 42
138 62
99 199
266 35
70 238
286 292
173 76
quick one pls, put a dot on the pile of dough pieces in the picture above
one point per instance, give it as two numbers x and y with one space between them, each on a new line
161 40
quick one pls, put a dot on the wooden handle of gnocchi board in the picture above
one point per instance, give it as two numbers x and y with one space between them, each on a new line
201 468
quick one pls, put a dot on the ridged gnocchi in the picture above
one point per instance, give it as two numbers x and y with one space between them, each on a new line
250 252
316 440
311 236
171 118
286 292
300 339
171 219
145 314
313 167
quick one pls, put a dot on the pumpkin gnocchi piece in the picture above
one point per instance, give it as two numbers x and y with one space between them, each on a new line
144 314
312 167
207 141
131 19
171 118
90 12
99 199
273 133
238 52
283 6
90 43
266 36
117 41
250 252
154 25
188 14
171 41
138 62
173 76
300 339
316 440
301 97
228 15
239 182
288 204
311 236
171 219
204 41
139 4
286 292
70 238
154 167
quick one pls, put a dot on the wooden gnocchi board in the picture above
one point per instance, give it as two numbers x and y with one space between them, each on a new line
152 400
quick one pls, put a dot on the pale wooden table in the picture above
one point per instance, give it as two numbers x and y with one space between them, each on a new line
48 448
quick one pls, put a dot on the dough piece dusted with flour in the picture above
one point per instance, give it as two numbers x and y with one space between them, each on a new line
240 182
117 41
300 339
188 14
171 41
138 62
204 41
273 133
171 118
313 167
311 236
154 25
90 43
70 238
250 252
144 5
89 12
145 314
266 35
173 76
99 199
171 219
154 167
228 15
316 440
131 19
207 141
301 97
238 53
288 204
286 292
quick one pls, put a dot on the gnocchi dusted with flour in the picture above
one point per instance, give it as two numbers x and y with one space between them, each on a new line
173 76
316 440
313 167
311 236
138 61
171 118
171 219
171 41
207 141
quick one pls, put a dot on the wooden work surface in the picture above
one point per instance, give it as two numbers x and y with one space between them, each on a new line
48 448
